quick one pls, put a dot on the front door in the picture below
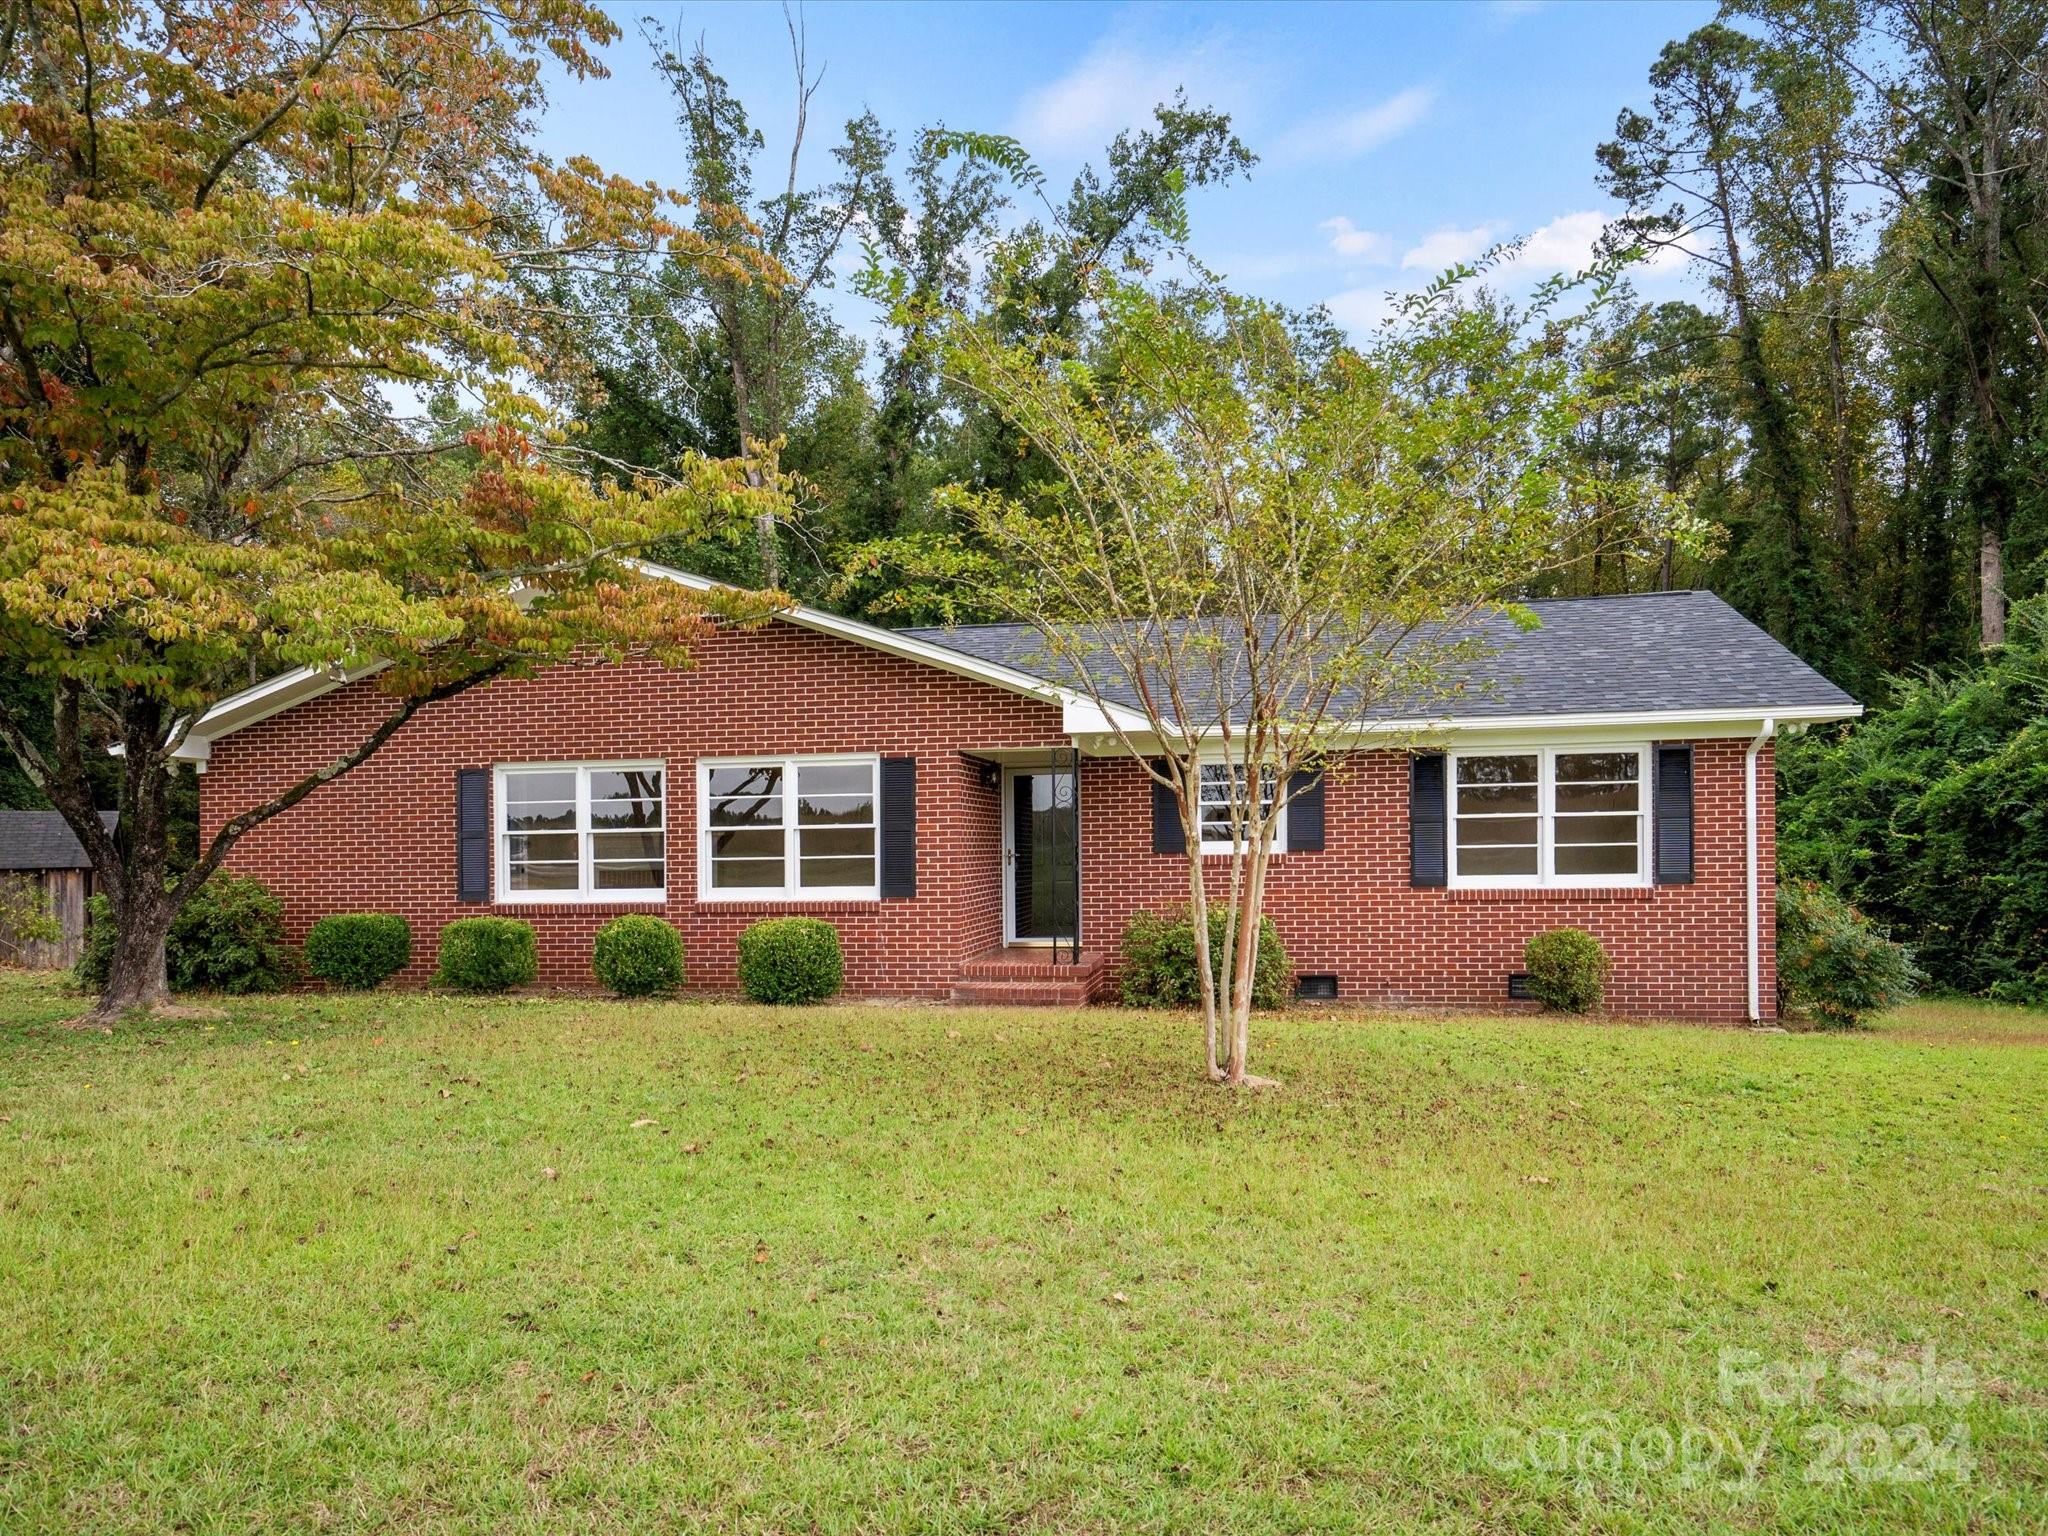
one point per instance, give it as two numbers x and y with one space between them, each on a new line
1040 856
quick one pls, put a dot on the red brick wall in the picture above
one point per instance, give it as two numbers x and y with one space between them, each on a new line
383 837
1677 950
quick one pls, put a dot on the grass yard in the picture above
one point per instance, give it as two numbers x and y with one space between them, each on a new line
416 1263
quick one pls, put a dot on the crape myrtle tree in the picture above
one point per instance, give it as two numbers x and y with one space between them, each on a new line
1262 537
233 238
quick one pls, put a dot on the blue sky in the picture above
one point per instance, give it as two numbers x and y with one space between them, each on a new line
1393 138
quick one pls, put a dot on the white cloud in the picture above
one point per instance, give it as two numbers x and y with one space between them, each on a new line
1447 247
1366 245
1362 309
1567 244
1345 134
1115 86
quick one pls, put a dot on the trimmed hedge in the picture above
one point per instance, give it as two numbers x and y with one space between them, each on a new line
1159 969
638 955
791 960
1567 969
1833 962
487 954
228 937
358 950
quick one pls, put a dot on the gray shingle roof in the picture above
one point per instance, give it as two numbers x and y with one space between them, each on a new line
41 840
1649 652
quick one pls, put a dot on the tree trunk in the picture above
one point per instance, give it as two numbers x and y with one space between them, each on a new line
136 980
1991 589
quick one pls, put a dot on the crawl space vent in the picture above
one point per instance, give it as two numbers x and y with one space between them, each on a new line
1316 989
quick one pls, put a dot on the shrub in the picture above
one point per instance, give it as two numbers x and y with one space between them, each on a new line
487 954
1833 962
358 949
638 955
1931 815
96 956
1567 969
1159 969
790 960
228 937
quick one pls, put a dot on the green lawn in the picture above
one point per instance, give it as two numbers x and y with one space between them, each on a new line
414 1263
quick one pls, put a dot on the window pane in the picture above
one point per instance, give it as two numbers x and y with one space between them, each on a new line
640 875
625 813
544 847
540 816
834 779
1490 798
729 874
826 810
1596 859
747 845
1597 797
1496 861
1596 829
541 877
841 842
1595 765
553 784
837 872
1516 769
625 784
750 779
1494 831
626 845
765 811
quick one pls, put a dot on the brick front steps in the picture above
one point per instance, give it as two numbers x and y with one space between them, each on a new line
1028 976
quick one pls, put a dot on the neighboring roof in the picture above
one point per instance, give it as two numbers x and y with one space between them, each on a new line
41 840
1666 653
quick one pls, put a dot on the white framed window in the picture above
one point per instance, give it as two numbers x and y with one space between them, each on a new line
1223 783
787 829
581 832
1550 816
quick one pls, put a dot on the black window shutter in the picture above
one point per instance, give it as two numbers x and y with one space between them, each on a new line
1428 862
899 826
1168 836
472 834
1305 812
1671 815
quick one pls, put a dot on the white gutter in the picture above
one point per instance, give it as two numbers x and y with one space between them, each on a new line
1770 729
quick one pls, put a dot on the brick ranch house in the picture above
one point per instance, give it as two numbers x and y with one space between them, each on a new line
949 805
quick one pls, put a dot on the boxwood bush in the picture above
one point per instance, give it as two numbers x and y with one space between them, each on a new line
638 955
791 960
1834 964
358 949
1159 969
228 937
487 954
1567 969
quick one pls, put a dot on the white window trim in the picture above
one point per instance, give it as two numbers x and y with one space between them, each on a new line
1220 847
1546 818
585 893
790 891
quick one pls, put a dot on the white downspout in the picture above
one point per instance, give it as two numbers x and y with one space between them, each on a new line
1770 729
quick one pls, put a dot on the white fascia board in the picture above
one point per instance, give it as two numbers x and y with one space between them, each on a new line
271 697
1078 711
1630 725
